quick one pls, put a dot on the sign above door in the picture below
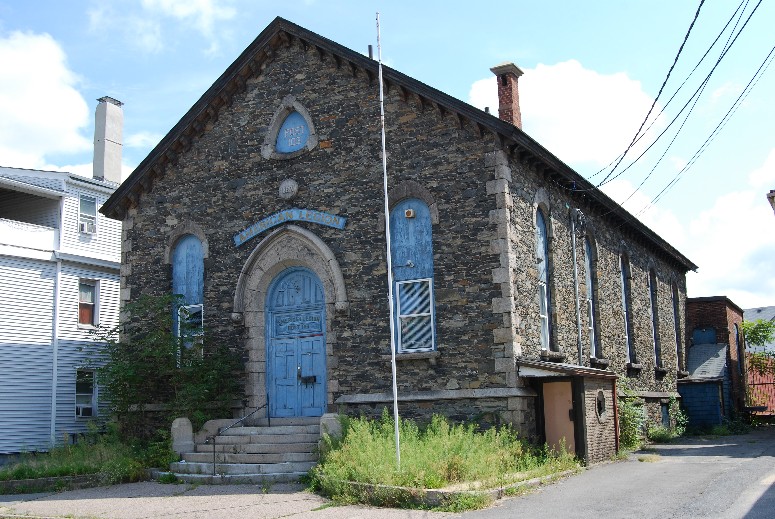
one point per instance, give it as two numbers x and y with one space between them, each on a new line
289 215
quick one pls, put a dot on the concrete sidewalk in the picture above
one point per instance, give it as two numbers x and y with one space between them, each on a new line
155 500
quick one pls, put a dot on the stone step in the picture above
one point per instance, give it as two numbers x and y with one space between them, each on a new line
275 429
227 457
182 467
242 479
258 448
265 438
298 420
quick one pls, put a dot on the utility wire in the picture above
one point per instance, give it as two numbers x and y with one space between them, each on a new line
751 84
653 104
696 93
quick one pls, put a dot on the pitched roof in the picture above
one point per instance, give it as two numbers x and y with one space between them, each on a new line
281 32
706 361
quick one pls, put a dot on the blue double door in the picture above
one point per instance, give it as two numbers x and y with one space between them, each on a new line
296 345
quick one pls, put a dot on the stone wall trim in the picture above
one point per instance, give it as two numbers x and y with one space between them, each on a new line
447 394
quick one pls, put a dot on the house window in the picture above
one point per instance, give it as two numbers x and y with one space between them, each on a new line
677 325
87 303
655 318
544 296
591 282
624 264
188 283
411 252
87 220
85 394
665 409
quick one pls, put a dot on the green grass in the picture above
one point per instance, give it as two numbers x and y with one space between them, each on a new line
95 454
437 456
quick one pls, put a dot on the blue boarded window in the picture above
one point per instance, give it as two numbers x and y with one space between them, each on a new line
411 250
544 296
293 134
188 282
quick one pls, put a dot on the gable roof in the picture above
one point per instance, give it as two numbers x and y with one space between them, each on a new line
281 32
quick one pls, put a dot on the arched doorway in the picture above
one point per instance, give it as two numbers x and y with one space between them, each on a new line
296 344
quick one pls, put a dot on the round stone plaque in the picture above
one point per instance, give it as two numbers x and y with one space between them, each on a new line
288 189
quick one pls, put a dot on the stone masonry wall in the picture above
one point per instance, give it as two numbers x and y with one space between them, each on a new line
223 184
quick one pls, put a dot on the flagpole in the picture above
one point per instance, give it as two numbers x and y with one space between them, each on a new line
389 260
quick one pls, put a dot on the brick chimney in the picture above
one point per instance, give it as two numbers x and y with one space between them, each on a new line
108 134
508 93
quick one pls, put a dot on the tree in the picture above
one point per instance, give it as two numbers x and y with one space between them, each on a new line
760 333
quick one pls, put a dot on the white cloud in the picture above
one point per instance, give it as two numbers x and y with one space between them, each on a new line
764 177
202 14
582 116
41 112
142 140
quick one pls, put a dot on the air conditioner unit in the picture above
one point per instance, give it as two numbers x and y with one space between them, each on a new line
86 227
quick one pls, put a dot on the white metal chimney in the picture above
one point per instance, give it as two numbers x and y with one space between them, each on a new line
108 134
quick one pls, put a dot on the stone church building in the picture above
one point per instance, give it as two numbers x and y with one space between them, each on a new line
523 294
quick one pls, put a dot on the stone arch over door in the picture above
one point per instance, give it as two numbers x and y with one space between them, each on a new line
287 247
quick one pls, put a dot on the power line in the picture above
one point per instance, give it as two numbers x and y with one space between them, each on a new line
653 104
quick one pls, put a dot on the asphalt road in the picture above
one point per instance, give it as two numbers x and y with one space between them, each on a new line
723 477
726 477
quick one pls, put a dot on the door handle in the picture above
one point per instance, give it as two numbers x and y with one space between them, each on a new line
298 372
570 415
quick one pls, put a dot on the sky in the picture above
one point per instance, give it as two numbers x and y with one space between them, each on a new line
592 73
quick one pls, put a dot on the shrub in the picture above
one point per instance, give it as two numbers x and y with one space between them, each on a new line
630 421
432 457
149 364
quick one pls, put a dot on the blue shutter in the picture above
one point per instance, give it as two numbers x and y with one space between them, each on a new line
188 276
411 240
188 270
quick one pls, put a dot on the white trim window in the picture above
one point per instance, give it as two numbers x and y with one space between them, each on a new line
624 265
85 394
87 215
544 279
415 316
88 299
190 323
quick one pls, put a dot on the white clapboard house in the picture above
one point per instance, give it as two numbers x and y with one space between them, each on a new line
59 279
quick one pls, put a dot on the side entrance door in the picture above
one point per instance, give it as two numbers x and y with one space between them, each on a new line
296 345
558 411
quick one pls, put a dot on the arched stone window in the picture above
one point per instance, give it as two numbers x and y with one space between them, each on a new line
290 133
655 317
544 279
188 283
626 278
411 250
677 326
592 309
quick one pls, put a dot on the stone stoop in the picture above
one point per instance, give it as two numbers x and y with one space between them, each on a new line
261 454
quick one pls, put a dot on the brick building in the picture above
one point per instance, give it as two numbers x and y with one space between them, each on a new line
715 387
522 292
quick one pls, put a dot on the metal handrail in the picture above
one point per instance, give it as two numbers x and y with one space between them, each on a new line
221 431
